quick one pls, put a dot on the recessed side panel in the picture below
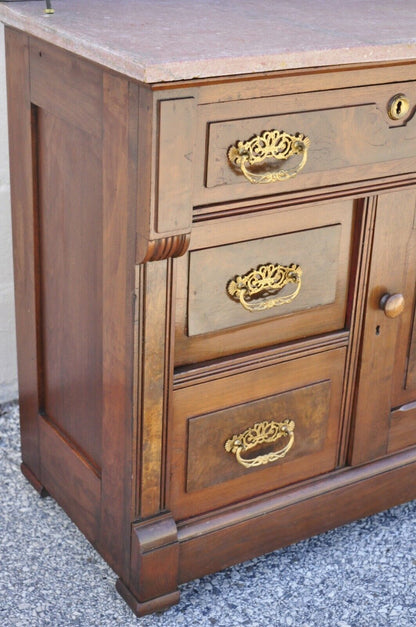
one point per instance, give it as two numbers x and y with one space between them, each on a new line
70 243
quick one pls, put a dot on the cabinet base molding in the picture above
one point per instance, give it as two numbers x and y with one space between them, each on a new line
268 523
154 562
166 554
148 607
28 474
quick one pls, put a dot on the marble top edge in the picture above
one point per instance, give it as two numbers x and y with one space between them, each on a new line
142 59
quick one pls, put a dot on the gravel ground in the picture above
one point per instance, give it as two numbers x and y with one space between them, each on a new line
359 575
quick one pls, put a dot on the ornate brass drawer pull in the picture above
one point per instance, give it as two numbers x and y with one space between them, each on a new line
265 432
265 279
269 145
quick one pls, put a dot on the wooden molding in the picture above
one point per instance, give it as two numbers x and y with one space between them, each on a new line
24 198
154 365
164 174
39 487
167 247
269 522
154 565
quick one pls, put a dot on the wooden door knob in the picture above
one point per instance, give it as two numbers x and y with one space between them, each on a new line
392 304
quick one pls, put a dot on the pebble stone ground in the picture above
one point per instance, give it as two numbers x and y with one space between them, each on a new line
359 575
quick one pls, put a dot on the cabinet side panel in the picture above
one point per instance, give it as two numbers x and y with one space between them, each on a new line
24 241
70 229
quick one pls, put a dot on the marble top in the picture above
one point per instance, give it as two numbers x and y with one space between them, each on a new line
170 40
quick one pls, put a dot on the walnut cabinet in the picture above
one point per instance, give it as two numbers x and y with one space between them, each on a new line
215 295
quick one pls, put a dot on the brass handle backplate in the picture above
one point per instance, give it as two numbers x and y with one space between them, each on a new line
392 304
265 432
265 279
273 144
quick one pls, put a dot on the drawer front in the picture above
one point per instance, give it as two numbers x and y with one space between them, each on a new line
267 277
250 433
350 136
238 296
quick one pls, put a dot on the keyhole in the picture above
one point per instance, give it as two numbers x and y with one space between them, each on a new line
398 107
378 329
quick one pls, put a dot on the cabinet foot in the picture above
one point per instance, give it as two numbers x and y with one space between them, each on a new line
153 584
147 607
33 480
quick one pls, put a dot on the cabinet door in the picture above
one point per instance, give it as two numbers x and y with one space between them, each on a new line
385 409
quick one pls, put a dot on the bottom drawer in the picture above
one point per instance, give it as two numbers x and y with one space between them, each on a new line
252 432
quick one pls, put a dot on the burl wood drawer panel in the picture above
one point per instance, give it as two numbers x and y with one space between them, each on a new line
300 397
350 136
260 291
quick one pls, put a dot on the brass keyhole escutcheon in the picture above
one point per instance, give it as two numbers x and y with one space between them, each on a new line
398 107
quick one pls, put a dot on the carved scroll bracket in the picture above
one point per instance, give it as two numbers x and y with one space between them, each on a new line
164 248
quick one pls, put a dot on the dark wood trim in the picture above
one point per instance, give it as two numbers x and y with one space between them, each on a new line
220 368
119 112
154 557
147 607
365 217
25 241
62 468
154 565
28 474
361 189
145 176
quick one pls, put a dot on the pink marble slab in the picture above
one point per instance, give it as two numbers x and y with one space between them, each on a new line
170 40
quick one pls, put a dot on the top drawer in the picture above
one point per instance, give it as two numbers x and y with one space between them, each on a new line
351 136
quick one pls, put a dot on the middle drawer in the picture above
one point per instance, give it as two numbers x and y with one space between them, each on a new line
253 282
